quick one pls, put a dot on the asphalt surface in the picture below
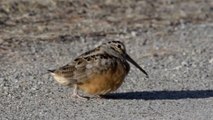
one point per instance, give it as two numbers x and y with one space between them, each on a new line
178 57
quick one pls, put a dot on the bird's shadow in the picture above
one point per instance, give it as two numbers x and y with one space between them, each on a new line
161 95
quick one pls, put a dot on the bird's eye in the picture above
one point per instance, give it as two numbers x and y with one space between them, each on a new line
119 46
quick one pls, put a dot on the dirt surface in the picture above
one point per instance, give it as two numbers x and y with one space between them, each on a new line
171 39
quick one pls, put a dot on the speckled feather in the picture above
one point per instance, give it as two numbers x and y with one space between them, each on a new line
95 61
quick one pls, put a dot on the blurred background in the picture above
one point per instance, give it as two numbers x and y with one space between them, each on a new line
171 39
67 19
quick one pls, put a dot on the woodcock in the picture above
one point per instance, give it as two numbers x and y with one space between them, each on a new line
98 71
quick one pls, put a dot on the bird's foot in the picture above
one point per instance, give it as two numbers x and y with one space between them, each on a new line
74 95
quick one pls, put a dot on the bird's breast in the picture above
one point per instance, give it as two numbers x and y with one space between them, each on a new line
107 81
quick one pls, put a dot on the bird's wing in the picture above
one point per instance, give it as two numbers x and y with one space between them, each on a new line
85 66
91 65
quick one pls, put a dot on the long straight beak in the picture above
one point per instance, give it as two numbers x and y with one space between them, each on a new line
136 65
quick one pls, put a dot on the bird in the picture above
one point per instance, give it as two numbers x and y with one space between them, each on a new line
98 71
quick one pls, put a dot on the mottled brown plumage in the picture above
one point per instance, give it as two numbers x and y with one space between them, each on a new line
98 71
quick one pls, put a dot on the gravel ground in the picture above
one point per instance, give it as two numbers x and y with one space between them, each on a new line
171 39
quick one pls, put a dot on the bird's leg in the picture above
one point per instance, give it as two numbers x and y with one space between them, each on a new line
76 95
98 96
